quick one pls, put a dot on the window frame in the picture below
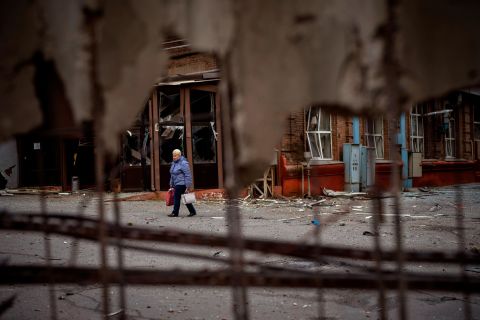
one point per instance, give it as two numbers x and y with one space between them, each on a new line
371 136
416 116
476 124
449 139
318 133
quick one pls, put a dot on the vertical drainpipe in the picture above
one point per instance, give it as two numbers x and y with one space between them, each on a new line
356 130
406 182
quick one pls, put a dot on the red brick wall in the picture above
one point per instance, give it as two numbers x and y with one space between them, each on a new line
197 62
294 141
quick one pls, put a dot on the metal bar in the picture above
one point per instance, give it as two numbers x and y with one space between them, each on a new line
120 264
437 112
377 219
92 17
391 67
235 241
318 243
459 221
47 247
68 226
36 274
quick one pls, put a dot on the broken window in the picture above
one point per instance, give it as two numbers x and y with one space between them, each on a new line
171 123
204 136
374 135
132 145
203 141
202 106
136 142
171 138
416 129
449 122
169 105
319 133
476 122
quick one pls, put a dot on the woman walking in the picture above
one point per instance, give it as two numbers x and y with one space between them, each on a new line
181 181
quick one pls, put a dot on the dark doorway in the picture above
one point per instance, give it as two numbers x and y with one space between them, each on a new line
204 139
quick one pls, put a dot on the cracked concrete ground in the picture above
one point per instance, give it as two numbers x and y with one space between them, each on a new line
428 220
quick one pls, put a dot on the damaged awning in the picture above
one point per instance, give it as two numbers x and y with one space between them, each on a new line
182 82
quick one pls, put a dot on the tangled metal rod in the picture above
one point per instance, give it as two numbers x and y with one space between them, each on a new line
87 229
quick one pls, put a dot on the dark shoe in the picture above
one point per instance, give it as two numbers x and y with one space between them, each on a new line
191 214
172 215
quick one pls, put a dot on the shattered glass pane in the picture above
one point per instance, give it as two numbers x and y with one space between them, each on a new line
313 119
379 146
314 144
169 105
414 126
324 121
202 106
319 133
378 126
132 147
203 143
171 138
325 139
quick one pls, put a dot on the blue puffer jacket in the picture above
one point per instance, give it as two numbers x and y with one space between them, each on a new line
180 173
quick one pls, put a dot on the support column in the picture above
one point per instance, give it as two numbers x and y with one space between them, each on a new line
155 150
402 140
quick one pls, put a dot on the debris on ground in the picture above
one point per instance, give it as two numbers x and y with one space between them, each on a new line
5 193
331 193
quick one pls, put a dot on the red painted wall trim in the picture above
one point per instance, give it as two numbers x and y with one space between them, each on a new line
444 173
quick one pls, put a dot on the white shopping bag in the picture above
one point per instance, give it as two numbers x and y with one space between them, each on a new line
188 198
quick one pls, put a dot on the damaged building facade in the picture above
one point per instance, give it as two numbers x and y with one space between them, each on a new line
183 112
438 144
438 141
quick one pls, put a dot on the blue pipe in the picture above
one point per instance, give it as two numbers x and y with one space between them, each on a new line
356 130
402 140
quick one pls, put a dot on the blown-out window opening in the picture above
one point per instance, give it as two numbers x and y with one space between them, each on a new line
450 137
319 133
417 130
374 136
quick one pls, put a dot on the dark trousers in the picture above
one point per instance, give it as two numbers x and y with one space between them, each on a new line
179 190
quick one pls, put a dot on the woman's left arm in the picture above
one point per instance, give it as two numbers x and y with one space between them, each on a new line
187 174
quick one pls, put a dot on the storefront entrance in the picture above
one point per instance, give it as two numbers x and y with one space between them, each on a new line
187 117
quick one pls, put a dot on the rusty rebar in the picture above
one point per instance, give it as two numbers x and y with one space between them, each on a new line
236 243
377 219
92 16
67 225
35 274
459 220
120 262
393 94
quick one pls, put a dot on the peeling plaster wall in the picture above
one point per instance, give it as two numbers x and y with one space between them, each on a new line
278 55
